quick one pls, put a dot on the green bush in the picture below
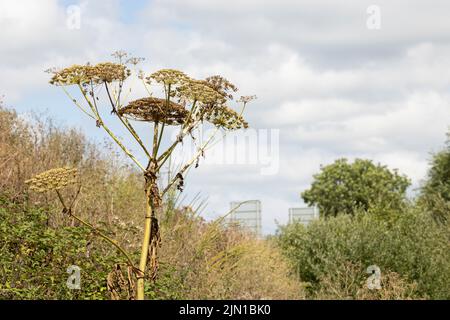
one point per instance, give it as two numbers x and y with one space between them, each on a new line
435 193
34 257
413 246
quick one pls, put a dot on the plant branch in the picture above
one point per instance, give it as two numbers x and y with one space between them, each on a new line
101 123
199 153
96 231
76 103
126 123
183 132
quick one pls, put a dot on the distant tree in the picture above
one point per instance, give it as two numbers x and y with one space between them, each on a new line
435 193
344 187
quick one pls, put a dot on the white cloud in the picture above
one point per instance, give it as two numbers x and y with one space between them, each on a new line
332 87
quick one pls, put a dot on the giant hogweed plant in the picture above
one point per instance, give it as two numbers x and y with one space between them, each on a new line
185 103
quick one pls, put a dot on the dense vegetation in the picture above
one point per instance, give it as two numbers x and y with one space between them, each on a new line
435 194
172 99
198 259
367 221
332 255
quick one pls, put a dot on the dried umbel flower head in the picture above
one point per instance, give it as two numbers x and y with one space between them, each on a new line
53 179
135 60
155 110
86 74
168 77
76 74
226 118
221 85
200 91
110 72
246 99
119 54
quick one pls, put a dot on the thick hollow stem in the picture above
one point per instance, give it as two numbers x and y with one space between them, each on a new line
145 248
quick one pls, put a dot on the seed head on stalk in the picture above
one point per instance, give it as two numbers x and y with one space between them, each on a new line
85 74
53 179
167 76
154 110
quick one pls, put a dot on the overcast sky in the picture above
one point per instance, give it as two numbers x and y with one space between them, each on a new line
327 84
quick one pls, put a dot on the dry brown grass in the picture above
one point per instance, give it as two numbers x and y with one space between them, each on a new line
110 189
215 262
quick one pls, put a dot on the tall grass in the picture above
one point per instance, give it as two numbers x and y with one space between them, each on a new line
206 260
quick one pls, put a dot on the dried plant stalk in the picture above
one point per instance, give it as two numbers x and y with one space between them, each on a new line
187 103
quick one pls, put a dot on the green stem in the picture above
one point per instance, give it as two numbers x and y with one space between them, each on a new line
160 137
155 140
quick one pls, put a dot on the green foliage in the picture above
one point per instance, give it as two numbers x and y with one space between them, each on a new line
344 187
414 247
435 194
34 257
169 285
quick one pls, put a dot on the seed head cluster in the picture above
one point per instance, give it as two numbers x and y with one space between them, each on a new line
155 110
222 86
198 90
226 118
110 72
53 179
246 99
168 77
210 95
86 74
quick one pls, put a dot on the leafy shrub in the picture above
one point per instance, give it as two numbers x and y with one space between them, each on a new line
28 147
34 257
199 260
413 246
435 194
